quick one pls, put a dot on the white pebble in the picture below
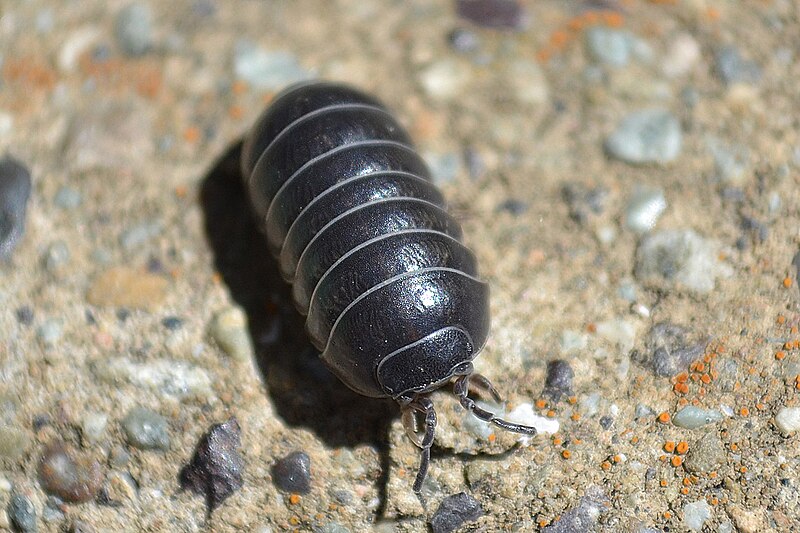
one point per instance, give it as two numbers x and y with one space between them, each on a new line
682 55
444 79
788 419
695 515
524 414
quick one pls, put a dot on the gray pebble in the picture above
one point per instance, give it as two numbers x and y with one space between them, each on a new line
464 41
22 513
581 519
49 333
733 68
731 163
609 46
51 512
266 70
444 166
692 417
133 29
293 473
680 259
93 426
644 209
118 457
15 190
67 198
583 201
56 256
647 136
669 350
139 234
454 511
146 429
705 455
643 412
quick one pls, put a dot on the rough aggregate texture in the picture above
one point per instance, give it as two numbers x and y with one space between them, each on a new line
128 120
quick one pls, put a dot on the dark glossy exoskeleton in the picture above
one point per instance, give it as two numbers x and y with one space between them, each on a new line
392 297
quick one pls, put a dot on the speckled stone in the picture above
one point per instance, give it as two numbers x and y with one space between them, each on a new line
647 136
73 478
706 454
454 511
293 473
22 514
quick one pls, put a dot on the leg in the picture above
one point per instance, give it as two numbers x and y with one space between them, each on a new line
461 390
424 406
481 382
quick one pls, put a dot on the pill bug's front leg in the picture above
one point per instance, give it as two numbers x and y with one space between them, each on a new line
420 406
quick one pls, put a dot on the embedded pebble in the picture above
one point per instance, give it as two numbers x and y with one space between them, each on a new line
581 519
680 259
293 473
609 46
119 488
146 429
56 257
644 209
73 478
584 201
454 511
13 442
229 329
125 287
681 56
619 331
15 190
444 79
668 350
22 513
216 468
171 378
140 234
93 426
109 135
705 455
558 380
133 29
464 40
67 198
647 136
75 45
49 333
692 417
266 70
788 419
731 163
695 514
732 68
498 14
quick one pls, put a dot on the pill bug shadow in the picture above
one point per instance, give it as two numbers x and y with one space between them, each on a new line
304 393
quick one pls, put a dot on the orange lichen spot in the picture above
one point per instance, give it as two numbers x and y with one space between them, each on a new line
566 454
574 399
797 385
605 465
634 440
294 521
191 134
616 458
613 19
557 440
705 378
713 14
492 437
576 24
294 499
541 404
577 441
29 71
669 446
216 278
560 38
760 406
714 500
787 282
682 377
734 447
551 413
667 515
575 417
676 461
663 482
700 367
685 491
591 327
744 411
235 112
543 523
543 55
743 469
181 191
149 83
713 474
664 417
793 331
686 481
591 17
787 345
662 458
780 355
780 320
682 447
239 87
683 402
681 388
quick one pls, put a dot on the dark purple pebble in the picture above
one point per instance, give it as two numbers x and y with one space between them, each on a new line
668 350
454 511
216 469
15 190
558 380
172 323
497 14
73 478
293 473
25 315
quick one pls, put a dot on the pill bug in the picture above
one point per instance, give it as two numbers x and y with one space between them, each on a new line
391 295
